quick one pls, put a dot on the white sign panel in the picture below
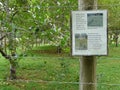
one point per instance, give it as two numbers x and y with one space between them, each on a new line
89 32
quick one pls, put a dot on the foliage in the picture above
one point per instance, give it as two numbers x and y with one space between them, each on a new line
25 21
45 20
113 8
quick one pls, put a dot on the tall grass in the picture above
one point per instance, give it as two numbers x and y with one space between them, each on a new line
58 72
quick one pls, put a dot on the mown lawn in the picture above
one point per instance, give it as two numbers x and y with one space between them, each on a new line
42 73
57 72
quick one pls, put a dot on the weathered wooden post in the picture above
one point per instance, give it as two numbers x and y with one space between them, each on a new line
87 73
89 38
87 63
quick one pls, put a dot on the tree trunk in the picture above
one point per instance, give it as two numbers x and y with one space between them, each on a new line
12 71
116 40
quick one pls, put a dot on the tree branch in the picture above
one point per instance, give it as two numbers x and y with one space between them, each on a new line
5 55
14 15
2 37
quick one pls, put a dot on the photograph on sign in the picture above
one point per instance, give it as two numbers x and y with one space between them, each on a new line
95 20
81 41
89 32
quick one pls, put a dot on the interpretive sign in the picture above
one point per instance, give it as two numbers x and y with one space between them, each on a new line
89 32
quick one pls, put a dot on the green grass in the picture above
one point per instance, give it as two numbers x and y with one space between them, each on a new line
51 72
44 49
51 69
48 49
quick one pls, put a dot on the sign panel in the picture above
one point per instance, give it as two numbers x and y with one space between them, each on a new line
89 32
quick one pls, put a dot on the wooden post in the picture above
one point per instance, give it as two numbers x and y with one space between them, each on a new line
88 73
87 63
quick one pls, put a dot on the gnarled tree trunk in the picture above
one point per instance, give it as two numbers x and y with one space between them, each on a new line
12 70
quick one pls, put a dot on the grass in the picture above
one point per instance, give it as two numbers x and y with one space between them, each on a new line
44 49
51 72
34 70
